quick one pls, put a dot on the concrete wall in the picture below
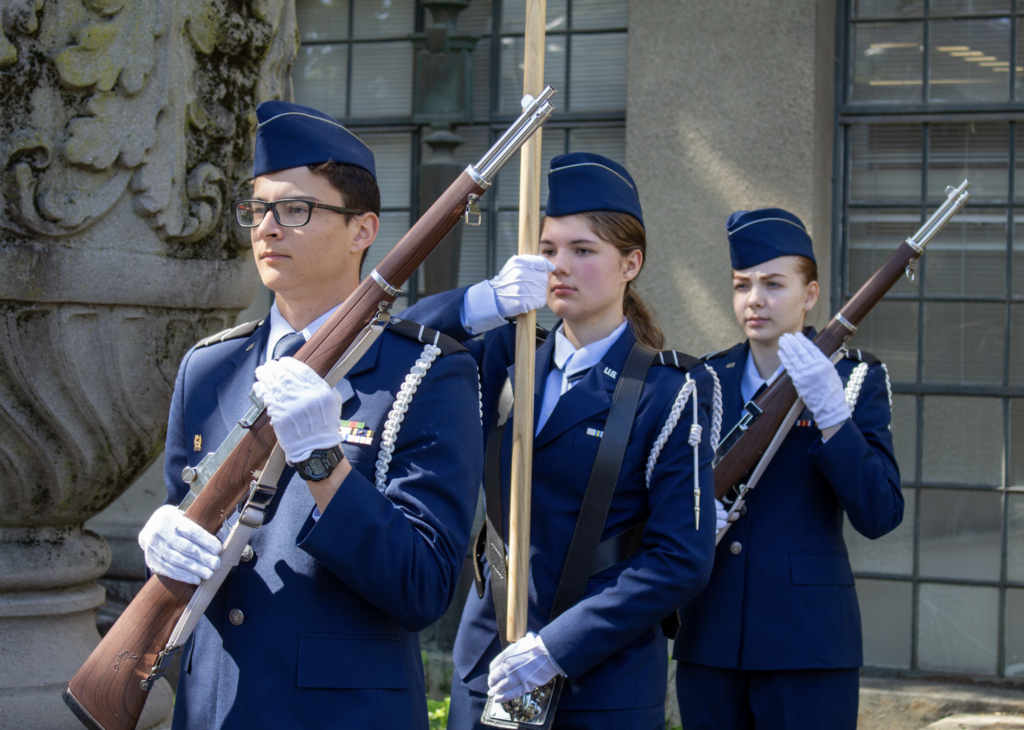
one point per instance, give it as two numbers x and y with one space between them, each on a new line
730 107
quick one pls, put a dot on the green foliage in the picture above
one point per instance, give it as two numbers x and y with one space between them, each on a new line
437 713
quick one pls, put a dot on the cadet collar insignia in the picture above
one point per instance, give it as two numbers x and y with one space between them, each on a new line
611 373
730 365
197 443
355 432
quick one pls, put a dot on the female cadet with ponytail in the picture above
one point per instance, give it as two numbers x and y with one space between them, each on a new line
609 645
774 642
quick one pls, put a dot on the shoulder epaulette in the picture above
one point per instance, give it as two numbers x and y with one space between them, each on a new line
713 355
418 332
862 356
677 359
233 333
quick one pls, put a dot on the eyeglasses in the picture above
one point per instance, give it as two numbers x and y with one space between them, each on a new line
290 212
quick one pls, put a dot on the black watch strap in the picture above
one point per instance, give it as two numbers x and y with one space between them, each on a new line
320 464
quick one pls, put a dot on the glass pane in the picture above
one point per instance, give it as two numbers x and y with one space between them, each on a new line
599 13
886 162
482 80
969 255
958 627
874 236
382 79
1020 60
1016 345
473 254
552 144
968 7
1015 538
963 54
893 553
963 440
961 534
383 18
979 151
886 608
1014 632
610 142
890 332
1017 450
514 16
888 8
322 20
888 62
904 440
392 155
512 70
963 343
598 78
319 77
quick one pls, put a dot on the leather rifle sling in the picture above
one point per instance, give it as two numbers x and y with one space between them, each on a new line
598 498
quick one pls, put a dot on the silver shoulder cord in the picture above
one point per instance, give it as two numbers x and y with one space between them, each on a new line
261 491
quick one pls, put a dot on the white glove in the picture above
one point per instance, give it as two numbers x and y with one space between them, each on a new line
176 547
522 667
304 410
522 284
721 516
815 379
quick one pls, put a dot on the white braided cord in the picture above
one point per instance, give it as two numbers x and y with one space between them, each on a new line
716 409
682 397
888 385
394 423
480 393
854 384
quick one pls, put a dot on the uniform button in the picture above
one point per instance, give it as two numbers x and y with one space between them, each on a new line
247 554
236 617
735 549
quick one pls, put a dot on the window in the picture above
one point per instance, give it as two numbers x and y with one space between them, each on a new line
930 93
356 63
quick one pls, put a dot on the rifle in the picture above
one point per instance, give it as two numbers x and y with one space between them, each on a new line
109 691
750 445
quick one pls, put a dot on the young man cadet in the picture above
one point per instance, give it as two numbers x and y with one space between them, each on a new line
316 626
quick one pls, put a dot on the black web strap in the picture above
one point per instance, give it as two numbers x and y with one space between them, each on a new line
493 531
598 498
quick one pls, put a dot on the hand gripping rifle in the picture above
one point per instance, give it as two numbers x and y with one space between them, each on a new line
110 689
746 451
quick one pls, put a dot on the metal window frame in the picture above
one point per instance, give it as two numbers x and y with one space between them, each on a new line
926 113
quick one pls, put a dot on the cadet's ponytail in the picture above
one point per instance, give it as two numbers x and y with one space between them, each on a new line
625 233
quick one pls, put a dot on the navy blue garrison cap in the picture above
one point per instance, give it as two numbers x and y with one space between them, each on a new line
756 236
582 182
292 135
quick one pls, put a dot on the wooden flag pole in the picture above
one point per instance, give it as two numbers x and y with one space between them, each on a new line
526 325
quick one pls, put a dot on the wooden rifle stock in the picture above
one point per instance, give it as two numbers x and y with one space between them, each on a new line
734 467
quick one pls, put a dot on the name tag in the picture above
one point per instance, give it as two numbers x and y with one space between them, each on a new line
355 432
595 432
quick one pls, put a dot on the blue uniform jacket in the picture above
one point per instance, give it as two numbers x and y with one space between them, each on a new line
610 644
331 608
781 595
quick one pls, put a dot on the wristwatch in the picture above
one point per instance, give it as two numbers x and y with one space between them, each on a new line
320 464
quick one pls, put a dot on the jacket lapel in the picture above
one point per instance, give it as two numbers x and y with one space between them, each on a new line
233 392
591 395
730 373
541 368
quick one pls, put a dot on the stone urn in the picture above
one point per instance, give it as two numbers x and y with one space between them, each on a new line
126 128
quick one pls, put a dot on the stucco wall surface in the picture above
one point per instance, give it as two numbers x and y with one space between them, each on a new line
730 107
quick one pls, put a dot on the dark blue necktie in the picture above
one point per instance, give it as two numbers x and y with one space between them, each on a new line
288 345
575 378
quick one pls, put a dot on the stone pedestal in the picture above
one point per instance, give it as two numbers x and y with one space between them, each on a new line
125 129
